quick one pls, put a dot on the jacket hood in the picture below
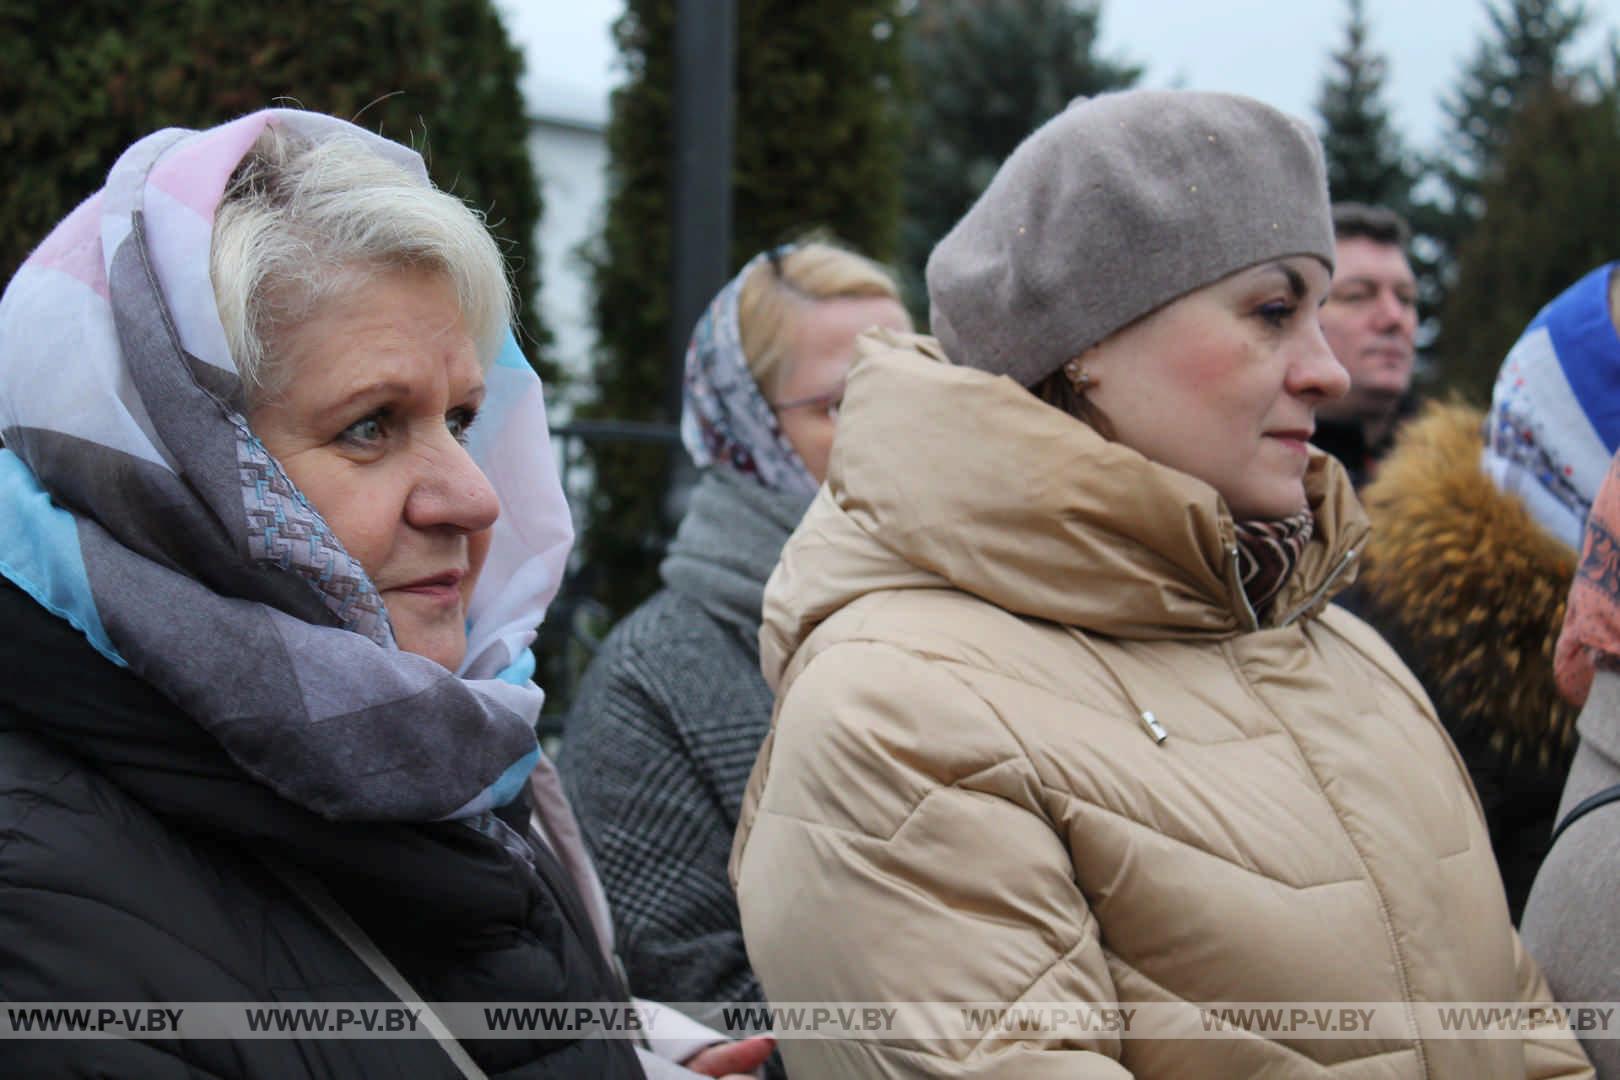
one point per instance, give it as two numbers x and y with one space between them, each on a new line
1463 571
946 477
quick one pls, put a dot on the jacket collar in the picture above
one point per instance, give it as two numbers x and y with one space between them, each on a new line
947 476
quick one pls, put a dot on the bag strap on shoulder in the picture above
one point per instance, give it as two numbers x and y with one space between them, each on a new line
1584 807
316 897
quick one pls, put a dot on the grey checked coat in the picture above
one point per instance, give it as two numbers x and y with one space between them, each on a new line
661 739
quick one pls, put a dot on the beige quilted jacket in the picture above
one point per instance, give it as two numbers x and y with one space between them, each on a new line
960 799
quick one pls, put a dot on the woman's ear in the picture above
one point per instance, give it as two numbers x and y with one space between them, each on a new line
1086 370
1075 370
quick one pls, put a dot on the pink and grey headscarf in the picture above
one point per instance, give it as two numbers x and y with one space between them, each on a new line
141 508
725 420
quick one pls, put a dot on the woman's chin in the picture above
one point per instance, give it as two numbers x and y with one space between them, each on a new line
1285 502
442 639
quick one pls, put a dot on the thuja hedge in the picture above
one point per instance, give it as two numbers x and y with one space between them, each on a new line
80 81
819 130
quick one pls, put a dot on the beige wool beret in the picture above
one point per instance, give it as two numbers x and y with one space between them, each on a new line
1112 209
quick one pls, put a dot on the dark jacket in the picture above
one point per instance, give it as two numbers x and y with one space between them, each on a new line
130 871
1346 440
1470 590
661 738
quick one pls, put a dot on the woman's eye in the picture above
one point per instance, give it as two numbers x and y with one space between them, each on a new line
365 431
1277 313
460 421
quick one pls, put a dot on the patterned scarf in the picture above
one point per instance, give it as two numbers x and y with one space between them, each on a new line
725 419
1591 635
1268 551
141 508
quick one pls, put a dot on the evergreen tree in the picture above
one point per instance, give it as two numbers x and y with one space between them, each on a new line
1365 160
987 73
79 82
1521 58
1551 211
819 133
1523 53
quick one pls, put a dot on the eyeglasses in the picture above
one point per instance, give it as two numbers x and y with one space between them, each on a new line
827 401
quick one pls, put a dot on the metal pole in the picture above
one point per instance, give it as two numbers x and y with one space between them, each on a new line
705 79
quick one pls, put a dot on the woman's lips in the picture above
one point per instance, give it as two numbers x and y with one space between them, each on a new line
440 588
1297 441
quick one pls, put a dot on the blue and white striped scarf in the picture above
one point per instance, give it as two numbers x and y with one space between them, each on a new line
138 506
1555 410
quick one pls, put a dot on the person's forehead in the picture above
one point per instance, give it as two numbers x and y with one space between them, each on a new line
1364 257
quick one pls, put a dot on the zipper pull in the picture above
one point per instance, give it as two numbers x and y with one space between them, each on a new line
1153 726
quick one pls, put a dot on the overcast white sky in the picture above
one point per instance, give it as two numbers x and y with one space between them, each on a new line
1276 51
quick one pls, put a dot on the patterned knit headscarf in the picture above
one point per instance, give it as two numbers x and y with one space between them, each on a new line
1555 411
725 420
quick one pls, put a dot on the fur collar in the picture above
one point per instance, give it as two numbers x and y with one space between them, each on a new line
1462 573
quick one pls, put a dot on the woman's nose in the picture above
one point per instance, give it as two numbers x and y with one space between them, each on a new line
1317 371
452 491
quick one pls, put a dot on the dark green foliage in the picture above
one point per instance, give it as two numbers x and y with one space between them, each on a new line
819 133
1521 56
81 81
1551 213
986 74
1365 160
1524 53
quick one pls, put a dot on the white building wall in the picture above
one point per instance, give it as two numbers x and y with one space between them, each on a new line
570 160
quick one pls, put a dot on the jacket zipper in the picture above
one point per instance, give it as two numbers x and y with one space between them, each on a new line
1321 589
1236 584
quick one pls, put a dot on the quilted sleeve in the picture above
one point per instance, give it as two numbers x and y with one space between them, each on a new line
898 851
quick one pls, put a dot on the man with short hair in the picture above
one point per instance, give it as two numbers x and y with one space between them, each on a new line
1370 322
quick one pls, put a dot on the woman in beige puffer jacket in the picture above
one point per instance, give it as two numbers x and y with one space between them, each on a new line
1063 716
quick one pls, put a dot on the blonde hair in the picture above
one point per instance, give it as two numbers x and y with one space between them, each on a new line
303 222
778 289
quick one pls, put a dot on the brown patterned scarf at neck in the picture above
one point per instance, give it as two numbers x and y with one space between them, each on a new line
1268 551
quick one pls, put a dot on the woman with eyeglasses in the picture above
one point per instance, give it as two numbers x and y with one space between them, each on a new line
672 710
1064 716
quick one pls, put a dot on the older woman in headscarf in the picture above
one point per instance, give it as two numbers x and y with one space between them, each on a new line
281 518
673 709
1064 715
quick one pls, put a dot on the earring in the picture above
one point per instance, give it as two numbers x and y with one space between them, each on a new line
1078 375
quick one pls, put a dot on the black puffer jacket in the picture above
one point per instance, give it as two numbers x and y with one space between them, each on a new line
130 871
